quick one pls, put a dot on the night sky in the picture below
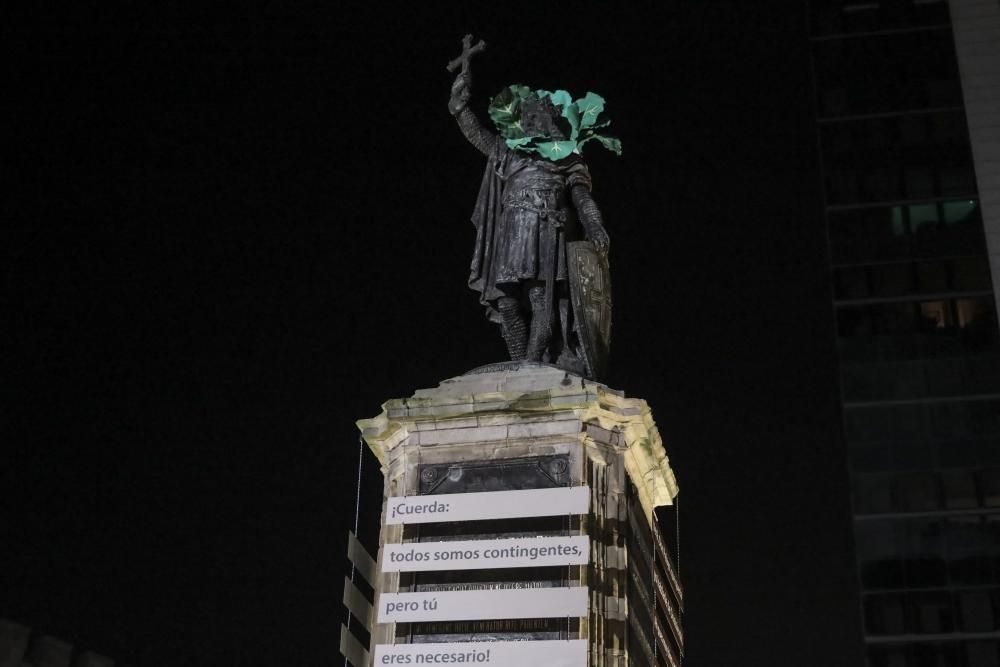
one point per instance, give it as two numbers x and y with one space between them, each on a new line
233 231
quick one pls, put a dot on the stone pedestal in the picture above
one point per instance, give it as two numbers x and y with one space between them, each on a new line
521 425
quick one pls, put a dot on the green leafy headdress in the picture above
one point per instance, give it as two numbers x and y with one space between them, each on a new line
581 118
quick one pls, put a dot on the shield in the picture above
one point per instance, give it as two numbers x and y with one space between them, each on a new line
590 293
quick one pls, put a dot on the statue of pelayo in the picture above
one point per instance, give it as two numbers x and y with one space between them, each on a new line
540 256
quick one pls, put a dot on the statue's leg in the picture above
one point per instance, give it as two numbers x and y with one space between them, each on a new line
513 327
541 322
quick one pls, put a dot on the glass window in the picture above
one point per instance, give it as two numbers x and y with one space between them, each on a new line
851 283
891 318
867 424
949 419
982 654
880 183
976 611
919 181
871 457
878 554
966 534
914 453
947 128
988 454
938 654
959 487
884 614
913 129
901 278
925 564
861 382
872 494
923 217
932 276
887 72
926 571
976 313
900 232
956 179
957 212
854 321
989 480
829 17
931 612
884 168
993 534
966 570
923 537
971 273
888 656
935 315
917 492
891 279
945 376
958 451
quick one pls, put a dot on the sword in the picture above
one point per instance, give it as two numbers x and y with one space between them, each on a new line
553 221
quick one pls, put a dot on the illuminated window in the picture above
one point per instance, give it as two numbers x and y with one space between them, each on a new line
959 211
935 314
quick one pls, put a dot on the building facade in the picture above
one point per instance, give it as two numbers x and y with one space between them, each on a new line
908 118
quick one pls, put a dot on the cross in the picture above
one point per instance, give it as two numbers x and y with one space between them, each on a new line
468 50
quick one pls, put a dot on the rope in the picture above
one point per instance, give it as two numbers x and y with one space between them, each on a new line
357 517
677 530
357 491
656 603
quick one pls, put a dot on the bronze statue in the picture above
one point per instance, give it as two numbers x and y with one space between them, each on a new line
540 256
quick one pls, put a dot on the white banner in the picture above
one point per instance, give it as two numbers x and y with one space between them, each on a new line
489 604
487 505
482 554
551 653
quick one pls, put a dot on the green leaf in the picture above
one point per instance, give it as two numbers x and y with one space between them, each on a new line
559 97
556 150
591 105
519 142
505 109
613 144
567 108
571 113
513 131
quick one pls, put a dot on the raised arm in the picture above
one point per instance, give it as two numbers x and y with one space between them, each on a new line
484 140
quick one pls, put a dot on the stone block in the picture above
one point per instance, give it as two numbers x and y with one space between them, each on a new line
461 435
438 424
541 429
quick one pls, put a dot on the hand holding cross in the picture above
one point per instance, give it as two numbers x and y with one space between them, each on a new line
460 89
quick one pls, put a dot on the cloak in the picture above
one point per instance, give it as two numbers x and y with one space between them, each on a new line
487 218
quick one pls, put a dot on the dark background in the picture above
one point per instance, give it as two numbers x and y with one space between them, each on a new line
234 231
